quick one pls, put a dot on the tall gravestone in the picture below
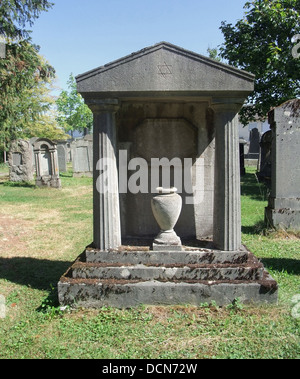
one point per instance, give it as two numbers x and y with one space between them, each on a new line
165 111
82 156
20 161
62 156
265 161
46 162
254 138
283 209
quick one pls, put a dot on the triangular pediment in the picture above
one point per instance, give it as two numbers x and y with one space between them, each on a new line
164 68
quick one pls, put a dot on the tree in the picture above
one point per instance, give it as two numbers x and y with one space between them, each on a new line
42 120
15 14
20 73
261 43
214 54
74 114
21 70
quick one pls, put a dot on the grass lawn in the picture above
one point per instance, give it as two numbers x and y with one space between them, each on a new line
43 230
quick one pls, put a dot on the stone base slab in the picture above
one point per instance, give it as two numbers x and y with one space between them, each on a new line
162 273
187 255
284 218
90 293
128 278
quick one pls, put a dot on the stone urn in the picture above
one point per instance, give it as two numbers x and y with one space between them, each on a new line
166 208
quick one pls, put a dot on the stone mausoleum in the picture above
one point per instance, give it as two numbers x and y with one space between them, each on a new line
172 106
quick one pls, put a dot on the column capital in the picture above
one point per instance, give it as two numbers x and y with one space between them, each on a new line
223 106
99 106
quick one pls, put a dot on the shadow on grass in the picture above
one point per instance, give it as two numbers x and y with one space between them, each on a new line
31 272
252 188
18 184
291 266
66 174
258 228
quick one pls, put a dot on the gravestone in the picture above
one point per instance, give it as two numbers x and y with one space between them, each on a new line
32 141
283 209
165 116
265 161
46 162
20 161
254 140
82 156
62 157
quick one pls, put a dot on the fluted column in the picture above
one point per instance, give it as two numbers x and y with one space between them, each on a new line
106 211
227 206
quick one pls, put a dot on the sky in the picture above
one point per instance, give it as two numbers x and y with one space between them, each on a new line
76 36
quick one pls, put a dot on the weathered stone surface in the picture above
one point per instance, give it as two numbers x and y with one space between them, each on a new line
283 209
96 293
163 273
164 68
20 161
106 215
62 157
166 207
82 157
46 162
254 144
265 165
130 278
227 208
188 255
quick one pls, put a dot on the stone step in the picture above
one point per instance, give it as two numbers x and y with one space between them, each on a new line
136 276
253 271
95 293
148 257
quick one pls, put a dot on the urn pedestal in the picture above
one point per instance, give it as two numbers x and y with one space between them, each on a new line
166 208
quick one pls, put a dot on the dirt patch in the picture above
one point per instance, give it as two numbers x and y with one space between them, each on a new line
13 233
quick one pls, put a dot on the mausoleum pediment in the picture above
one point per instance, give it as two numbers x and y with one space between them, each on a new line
167 69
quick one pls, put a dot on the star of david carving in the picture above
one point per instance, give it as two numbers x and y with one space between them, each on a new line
165 69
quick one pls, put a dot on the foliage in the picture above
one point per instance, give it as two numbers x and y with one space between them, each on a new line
74 114
261 43
41 121
24 74
15 14
213 54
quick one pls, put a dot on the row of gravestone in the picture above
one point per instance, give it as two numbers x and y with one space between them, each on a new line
47 159
279 166
261 157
